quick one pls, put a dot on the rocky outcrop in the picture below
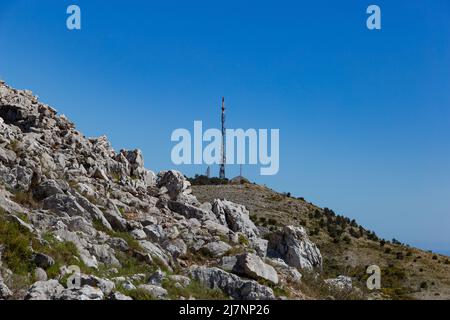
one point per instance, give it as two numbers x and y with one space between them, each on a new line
44 290
107 212
341 283
231 284
155 291
292 244
250 265
176 186
5 293
237 218
216 249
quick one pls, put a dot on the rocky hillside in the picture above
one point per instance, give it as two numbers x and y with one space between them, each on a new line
347 248
79 220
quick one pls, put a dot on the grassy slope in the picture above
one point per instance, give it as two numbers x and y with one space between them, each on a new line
406 272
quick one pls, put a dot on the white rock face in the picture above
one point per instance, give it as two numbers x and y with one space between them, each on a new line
5 293
236 217
216 249
252 266
292 244
231 284
155 291
44 290
340 283
176 186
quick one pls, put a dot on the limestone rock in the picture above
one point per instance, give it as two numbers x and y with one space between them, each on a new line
252 266
5 293
216 249
155 291
340 283
236 216
230 284
292 244
44 290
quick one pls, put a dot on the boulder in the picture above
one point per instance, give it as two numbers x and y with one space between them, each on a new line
157 278
155 291
236 216
119 296
44 290
251 265
341 283
291 274
46 189
5 293
216 249
176 247
19 178
105 254
7 156
62 203
105 285
40 274
174 181
216 228
190 211
259 245
114 217
177 187
138 234
155 233
84 293
155 252
292 244
182 280
230 284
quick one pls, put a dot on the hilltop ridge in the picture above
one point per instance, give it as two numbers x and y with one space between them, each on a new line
79 220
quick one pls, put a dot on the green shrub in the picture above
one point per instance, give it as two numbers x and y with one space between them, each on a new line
137 294
132 242
195 290
19 245
64 253
201 180
243 240
17 251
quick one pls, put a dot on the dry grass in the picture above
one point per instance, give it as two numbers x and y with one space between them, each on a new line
341 257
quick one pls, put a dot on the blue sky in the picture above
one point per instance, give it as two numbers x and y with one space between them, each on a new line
364 116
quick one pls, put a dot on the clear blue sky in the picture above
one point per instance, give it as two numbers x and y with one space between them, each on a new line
364 116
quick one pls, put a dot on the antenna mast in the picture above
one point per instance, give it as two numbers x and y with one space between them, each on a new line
224 158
